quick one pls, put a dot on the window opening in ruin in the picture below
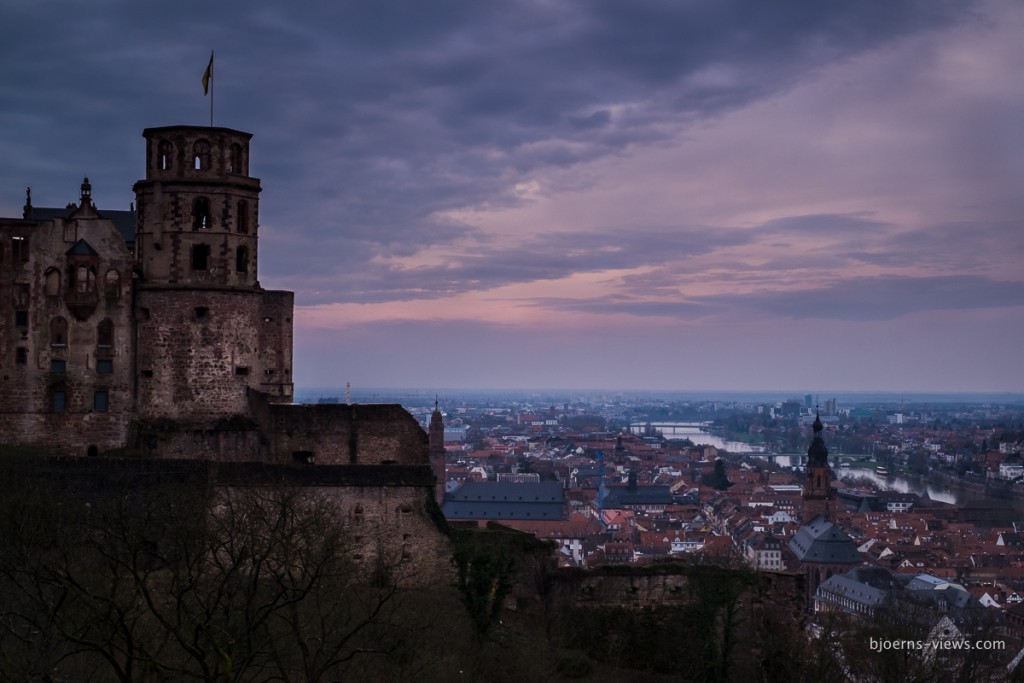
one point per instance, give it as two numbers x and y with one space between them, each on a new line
163 155
144 313
112 284
242 260
304 457
19 248
51 286
105 333
235 159
21 355
58 365
241 370
243 216
201 312
100 400
147 373
201 214
21 295
21 318
200 257
58 400
58 332
104 366
358 513
201 155
92 451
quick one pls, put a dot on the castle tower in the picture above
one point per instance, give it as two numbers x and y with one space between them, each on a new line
208 335
818 498
437 458
197 208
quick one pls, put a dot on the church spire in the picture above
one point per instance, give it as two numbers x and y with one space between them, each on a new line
818 498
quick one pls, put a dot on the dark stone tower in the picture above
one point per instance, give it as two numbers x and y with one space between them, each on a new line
208 335
819 500
437 460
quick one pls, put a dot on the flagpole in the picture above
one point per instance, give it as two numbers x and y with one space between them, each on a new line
208 85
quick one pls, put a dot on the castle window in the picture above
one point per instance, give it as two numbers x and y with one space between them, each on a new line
201 214
242 260
201 312
243 216
112 284
357 513
201 155
241 370
21 355
21 318
104 366
19 248
58 332
81 279
164 152
58 400
201 257
100 400
21 295
58 365
51 286
105 333
235 159
144 314
304 457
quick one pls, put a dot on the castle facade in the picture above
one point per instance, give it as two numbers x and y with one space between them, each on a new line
147 331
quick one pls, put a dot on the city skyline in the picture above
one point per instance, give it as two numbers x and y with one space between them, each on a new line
538 195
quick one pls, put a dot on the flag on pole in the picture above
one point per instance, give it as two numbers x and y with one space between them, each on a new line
207 75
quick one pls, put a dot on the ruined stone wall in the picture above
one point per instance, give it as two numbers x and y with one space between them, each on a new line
65 334
199 352
275 345
345 434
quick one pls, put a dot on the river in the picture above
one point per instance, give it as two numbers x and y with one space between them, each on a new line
937 492
693 431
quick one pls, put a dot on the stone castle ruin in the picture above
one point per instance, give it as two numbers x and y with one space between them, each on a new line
148 331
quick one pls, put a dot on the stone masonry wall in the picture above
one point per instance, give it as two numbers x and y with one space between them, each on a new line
346 434
65 335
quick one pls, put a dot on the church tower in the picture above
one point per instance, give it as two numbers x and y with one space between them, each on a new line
209 337
818 497
437 458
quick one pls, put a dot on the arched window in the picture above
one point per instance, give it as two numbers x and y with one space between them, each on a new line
243 216
201 214
201 257
58 332
112 284
235 159
51 285
242 260
201 155
105 333
164 153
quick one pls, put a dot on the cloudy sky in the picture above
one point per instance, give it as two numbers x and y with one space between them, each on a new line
636 194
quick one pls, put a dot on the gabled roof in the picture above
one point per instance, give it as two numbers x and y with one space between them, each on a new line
822 542
505 500
81 248
124 221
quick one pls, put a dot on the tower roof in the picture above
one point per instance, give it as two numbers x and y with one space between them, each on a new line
817 454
